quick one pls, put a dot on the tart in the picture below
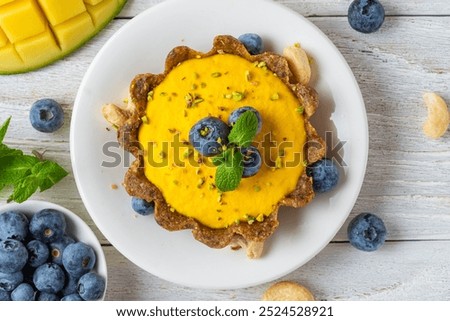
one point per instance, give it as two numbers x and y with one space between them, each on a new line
169 171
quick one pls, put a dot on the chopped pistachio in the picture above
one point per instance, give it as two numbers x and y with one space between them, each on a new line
172 209
219 198
260 218
216 74
275 96
192 100
211 186
227 96
305 163
261 64
145 119
174 94
248 75
173 130
125 100
256 188
219 140
256 63
218 211
175 182
187 153
203 84
198 101
115 127
162 154
194 87
237 221
150 95
200 182
196 75
300 109
198 171
281 153
237 96
185 113
163 94
204 131
278 162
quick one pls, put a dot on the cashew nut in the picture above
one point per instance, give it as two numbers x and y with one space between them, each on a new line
114 115
438 116
298 63
287 291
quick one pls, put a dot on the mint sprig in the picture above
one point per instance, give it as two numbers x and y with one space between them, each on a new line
25 173
244 130
230 163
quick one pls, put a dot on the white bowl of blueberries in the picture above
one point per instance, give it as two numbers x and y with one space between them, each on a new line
48 253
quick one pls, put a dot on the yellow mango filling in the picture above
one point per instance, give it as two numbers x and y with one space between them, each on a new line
215 86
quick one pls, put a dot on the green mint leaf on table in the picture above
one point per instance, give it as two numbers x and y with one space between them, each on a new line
25 173
244 130
229 173
3 129
48 173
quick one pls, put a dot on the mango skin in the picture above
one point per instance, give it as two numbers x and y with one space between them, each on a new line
25 55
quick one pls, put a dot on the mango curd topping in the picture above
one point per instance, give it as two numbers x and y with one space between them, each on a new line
215 86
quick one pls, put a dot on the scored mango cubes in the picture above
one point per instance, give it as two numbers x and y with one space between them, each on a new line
34 33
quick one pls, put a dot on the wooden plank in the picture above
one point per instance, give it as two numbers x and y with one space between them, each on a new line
326 7
398 271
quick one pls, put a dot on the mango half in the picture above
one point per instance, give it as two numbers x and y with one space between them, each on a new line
35 33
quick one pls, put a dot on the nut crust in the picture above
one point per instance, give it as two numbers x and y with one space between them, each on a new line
250 236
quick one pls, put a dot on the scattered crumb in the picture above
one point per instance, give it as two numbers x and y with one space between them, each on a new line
114 186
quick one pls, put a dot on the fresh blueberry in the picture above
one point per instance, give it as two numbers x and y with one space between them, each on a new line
209 135
49 277
238 112
24 292
37 253
57 248
325 175
46 115
142 207
366 232
13 256
9 281
91 286
252 161
13 225
45 296
72 297
252 42
366 15
78 259
48 225
5 296
71 285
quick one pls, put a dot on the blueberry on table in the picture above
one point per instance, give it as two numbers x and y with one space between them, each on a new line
13 256
48 225
325 175
46 115
72 297
251 160
13 225
57 248
24 292
366 232
142 207
91 286
209 135
252 42
366 15
9 281
49 277
238 112
78 259
38 253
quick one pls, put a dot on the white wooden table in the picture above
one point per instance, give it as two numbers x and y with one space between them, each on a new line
408 176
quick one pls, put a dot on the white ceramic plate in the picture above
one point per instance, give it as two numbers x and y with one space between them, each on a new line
141 46
76 228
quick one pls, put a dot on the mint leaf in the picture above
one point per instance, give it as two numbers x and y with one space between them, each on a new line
244 130
48 173
14 168
229 173
24 189
6 151
3 129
